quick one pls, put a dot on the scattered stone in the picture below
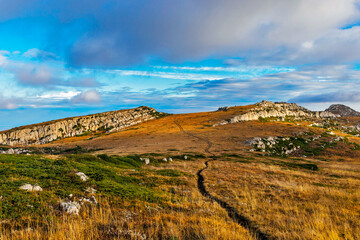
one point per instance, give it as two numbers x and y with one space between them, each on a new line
270 144
170 159
91 190
31 188
15 151
146 160
223 109
185 157
70 207
82 176
91 200
316 125
164 159
10 151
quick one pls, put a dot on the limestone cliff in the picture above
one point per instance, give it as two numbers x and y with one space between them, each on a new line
70 127
266 109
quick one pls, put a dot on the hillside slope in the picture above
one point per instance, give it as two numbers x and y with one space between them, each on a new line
70 127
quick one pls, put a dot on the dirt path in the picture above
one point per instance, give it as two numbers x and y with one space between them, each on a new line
232 212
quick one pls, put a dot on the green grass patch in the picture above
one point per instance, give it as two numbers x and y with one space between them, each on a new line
58 179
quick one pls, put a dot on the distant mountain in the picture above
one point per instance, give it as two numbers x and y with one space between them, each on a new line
343 110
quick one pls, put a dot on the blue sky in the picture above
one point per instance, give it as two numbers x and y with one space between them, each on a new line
67 58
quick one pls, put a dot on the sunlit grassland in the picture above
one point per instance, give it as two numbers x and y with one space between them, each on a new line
158 201
288 199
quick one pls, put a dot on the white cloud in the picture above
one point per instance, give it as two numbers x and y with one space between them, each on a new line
8 103
32 74
59 95
240 69
88 97
167 75
3 60
39 54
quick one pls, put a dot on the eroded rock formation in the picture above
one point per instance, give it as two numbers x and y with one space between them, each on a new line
70 127
266 109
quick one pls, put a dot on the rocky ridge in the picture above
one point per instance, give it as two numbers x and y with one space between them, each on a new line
343 111
49 131
266 109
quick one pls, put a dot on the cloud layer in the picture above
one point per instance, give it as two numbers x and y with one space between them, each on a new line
122 33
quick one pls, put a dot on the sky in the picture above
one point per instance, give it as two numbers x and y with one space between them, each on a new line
75 57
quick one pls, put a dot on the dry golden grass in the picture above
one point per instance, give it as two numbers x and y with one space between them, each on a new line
292 203
160 135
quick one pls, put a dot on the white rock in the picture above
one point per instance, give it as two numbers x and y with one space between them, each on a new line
185 157
147 160
91 200
91 190
170 159
37 188
164 159
82 176
70 207
10 151
31 188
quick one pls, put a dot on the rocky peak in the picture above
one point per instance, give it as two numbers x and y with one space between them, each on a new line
343 111
267 109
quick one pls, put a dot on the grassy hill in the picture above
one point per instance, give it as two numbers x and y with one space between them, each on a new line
311 193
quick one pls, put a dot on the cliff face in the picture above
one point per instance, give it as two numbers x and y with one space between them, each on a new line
70 127
266 109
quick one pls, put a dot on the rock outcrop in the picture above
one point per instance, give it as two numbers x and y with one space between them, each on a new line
69 127
343 111
266 109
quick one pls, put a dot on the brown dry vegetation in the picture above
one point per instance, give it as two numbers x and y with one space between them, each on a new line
163 134
292 203
279 194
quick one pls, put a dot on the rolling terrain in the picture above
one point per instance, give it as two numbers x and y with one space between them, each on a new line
290 174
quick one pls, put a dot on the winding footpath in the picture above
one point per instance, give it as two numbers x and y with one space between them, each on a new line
232 212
